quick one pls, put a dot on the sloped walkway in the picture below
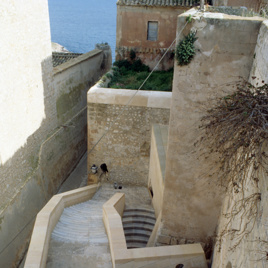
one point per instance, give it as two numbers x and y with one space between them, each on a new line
79 239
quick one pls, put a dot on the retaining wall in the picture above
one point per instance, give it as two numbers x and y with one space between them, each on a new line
43 122
126 146
249 226
225 53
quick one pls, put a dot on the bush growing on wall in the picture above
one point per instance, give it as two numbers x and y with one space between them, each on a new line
185 50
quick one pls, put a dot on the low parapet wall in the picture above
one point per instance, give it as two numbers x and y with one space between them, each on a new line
190 256
158 165
47 219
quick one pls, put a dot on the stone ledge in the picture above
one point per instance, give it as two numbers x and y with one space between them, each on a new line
152 99
64 66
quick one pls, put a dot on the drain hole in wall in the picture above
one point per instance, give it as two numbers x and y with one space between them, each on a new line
179 266
119 187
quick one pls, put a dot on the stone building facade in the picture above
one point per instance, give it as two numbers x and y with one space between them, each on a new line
148 28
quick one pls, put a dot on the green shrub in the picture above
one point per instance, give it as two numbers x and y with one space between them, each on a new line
131 76
185 50
132 54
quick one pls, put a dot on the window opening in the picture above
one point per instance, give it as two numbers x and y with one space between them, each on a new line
152 31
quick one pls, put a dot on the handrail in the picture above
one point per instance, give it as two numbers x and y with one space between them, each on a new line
47 219
190 255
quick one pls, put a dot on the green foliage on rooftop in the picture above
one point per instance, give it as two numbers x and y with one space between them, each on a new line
131 74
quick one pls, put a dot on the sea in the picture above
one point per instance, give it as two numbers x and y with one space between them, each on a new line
80 24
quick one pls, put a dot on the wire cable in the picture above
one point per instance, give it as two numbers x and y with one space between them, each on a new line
136 92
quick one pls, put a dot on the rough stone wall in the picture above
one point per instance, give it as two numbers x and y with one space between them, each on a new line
126 147
244 243
251 251
40 144
131 33
259 72
193 194
250 4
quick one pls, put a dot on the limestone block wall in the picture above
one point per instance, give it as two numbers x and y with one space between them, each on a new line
193 193
259 72
42 137
126 147
71 81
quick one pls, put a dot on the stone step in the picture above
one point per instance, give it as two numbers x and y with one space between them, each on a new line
136 245
135 214
137 239
139 226
137 232
138 210
139 220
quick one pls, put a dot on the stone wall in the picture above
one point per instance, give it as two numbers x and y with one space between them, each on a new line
244 243
126 146
43 134
250 225
250 4
259 72
131 33
193 193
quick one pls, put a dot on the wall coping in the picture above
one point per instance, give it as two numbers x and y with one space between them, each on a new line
139 257
47 219
62 67
150 99
160 133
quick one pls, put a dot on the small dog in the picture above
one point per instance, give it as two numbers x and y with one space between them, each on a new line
104 170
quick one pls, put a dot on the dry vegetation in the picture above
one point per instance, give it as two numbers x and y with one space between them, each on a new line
237 130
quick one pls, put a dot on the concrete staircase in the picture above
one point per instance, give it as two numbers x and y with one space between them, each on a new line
79 239
138 225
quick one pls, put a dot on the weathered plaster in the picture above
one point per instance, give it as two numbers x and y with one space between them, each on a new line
225 49
259 72
131 33
40 144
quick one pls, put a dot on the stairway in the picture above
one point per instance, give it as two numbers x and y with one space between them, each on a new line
79 239
138 225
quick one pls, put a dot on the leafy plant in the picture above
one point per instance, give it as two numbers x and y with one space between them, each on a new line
185 50
132 54
130 75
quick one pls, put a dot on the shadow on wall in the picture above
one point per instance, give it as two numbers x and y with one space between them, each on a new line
36 171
